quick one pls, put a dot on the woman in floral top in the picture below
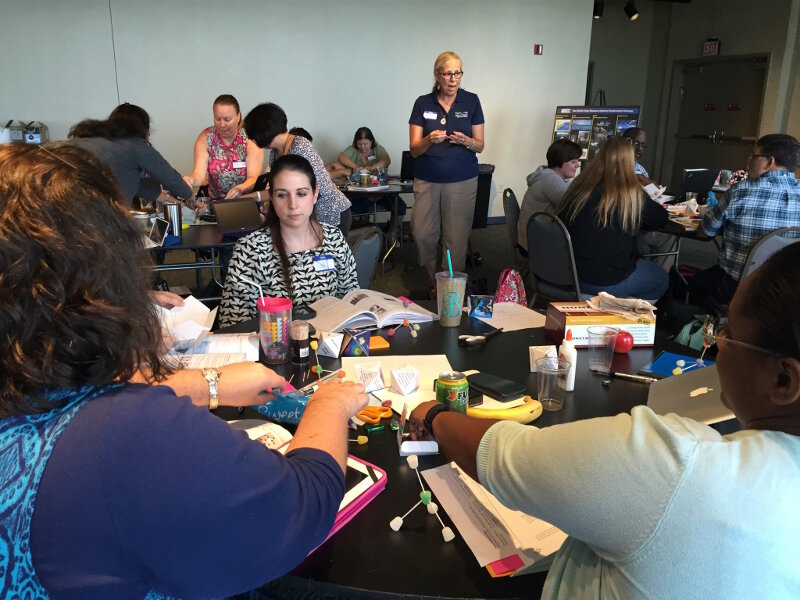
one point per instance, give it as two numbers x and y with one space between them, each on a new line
224 158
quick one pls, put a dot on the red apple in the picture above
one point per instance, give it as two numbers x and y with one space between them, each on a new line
624 342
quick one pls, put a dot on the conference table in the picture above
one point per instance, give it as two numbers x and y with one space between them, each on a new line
367 559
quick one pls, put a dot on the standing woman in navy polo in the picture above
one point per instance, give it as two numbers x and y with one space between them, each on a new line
445 134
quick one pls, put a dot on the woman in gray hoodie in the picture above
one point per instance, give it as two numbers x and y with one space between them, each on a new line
547 184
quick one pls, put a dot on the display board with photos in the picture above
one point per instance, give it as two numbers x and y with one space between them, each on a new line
589 126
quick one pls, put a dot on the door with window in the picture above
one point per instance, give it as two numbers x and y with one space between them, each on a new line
720 108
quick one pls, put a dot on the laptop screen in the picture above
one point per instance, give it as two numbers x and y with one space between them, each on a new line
407 166
237 217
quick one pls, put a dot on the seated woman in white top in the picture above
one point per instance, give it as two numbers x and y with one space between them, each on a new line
292 256
664 506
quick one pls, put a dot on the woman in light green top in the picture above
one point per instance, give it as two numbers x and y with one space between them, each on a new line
364 153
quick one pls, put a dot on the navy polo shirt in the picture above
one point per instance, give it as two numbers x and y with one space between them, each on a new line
446 162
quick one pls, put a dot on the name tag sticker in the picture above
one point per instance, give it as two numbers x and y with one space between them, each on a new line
429 114
323 263
239 164
461 114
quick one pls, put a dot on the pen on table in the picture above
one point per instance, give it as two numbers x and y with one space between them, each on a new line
629 376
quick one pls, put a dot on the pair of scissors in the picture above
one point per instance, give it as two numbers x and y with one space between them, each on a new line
374 414
476 340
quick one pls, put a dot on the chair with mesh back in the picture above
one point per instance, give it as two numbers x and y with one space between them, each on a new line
552 262
365 244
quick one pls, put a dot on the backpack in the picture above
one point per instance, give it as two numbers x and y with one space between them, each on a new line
510 288
692 333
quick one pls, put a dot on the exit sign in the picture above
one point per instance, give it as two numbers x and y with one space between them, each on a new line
711 47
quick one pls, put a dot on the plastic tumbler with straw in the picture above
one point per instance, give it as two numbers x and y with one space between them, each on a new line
450 288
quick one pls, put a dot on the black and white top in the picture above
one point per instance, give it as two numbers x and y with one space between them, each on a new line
331 202
328 270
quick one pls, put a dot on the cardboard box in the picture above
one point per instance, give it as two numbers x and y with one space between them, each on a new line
579 316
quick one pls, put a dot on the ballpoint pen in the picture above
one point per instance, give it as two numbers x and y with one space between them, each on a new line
629 376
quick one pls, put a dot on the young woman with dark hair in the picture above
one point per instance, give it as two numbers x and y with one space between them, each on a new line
664 506
224 158
122 142
292 256
135 489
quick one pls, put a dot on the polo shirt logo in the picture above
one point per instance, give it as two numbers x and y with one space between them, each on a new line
461 114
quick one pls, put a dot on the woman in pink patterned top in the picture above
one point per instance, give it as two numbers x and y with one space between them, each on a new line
223 156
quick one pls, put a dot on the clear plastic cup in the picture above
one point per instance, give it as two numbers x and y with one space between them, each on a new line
601 348
552 382
274 317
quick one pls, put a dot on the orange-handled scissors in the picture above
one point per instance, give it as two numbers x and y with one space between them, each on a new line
374 414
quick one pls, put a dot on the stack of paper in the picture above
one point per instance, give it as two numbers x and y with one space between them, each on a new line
506 542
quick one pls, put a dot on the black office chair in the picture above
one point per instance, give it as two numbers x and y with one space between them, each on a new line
552 262
511 210
365 244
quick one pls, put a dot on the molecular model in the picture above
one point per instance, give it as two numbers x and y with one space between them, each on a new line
424 499
414 327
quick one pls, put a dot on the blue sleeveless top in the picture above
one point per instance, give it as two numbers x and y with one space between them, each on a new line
26 443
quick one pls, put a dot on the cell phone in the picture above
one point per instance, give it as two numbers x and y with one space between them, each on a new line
496 387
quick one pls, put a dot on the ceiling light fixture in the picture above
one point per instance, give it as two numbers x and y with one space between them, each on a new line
599 5
630 10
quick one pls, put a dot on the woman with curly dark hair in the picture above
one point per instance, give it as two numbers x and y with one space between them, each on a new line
122 141
134 488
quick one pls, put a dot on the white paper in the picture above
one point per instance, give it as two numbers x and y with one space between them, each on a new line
537 352
429 368
189 324
233 343
270 434
405 380
491 530
206 361
330 344
513 317
369 375
655 192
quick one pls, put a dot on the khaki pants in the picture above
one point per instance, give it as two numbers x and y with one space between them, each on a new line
448 207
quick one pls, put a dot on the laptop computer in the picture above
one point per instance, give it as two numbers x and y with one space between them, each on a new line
238 217
693 394
158 233
698 180
407 166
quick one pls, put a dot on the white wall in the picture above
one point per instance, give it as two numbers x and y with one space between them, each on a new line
332 66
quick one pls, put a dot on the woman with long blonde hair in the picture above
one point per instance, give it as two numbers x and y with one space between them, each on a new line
604 208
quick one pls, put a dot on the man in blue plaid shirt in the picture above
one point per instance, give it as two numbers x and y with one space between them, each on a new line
767 200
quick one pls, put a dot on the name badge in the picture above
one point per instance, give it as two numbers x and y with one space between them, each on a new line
462 114
429 114
239 164
323 263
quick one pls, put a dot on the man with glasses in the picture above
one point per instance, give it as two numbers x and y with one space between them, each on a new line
660 246
638 138
767 200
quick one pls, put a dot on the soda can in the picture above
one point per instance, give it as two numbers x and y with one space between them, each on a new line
452 390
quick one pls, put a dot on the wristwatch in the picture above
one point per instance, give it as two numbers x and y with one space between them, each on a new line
431 415
212 377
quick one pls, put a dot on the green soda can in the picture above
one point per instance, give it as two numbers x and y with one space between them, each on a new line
452 390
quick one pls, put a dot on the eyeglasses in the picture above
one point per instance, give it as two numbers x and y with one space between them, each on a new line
452 74
754 155
716 332
633 142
